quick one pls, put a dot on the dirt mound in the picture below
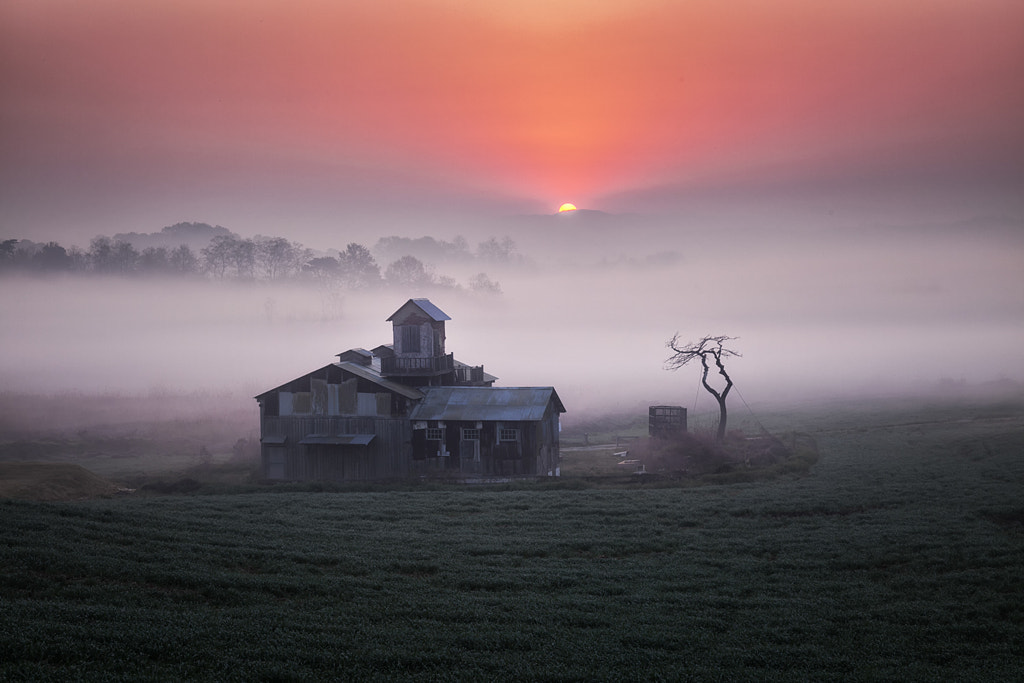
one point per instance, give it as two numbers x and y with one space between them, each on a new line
51 481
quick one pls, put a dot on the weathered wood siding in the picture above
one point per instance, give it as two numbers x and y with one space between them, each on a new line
386 457
535 452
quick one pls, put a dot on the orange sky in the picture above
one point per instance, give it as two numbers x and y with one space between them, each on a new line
535 104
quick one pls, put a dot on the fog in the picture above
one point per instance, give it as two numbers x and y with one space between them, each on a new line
587 308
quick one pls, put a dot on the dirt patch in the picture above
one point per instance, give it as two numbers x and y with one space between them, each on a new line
737 458
51 481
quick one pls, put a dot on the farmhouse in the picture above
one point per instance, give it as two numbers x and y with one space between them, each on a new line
407 409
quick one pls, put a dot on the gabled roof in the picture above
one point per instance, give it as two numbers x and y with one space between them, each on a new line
383 350
435 313
363 371
522 404
358 353
372 375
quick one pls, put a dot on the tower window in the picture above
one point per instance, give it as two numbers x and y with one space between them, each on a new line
410 339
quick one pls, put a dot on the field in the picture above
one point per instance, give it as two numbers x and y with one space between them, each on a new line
898 556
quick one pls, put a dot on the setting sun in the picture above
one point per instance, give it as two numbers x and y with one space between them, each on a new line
566 207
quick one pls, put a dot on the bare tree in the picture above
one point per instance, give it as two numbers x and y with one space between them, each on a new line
243 257
217 255
713 347
279 258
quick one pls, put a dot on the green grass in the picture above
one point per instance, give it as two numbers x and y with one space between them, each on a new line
898 556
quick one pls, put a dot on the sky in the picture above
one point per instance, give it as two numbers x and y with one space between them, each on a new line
122 116
826 180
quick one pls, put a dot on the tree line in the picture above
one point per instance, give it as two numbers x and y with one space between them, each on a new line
230 257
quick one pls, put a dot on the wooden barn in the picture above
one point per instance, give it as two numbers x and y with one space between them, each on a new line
488 431
407 409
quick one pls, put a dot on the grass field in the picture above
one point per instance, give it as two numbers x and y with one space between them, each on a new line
898 557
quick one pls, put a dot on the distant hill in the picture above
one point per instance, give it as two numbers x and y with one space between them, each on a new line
195 235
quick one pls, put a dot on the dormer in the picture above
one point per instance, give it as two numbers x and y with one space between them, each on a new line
357 356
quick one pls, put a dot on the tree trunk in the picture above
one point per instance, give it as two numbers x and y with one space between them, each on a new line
721 418
720 397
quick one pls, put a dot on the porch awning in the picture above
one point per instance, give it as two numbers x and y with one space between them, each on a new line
337 439
274 438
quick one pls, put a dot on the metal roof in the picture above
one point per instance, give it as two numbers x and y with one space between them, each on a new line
336 439
424 305
368 373
364 371
522 404
357 351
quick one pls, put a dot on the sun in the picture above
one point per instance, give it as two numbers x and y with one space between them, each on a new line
566 207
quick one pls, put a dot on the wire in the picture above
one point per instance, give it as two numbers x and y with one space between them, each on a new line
750 410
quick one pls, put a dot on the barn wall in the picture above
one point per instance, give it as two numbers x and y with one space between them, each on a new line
535 452
335 399
387 456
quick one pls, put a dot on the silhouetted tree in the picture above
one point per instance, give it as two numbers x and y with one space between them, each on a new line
325 271
125 257
154 260
322 268
79 259
493 250
277 257
7 249
183 261
243 258
408 271
359 270
101 255
707 347
52 257
482 284
217 255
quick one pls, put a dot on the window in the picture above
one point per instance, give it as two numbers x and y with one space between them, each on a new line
508 434
470 434
434 434
410 339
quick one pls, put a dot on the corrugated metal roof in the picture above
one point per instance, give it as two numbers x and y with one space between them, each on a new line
336 439
427 307
370 374
486 403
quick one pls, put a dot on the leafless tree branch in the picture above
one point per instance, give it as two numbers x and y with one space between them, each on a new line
709 346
